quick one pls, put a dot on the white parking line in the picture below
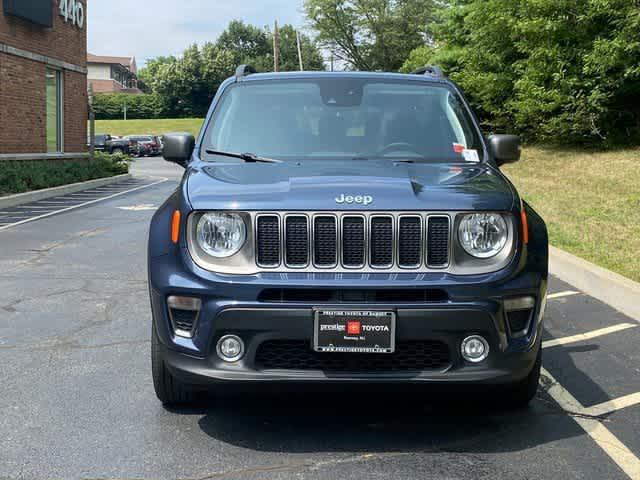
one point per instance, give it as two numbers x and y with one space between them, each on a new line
81 204
608 442
613 405
566 293
36 207
587 335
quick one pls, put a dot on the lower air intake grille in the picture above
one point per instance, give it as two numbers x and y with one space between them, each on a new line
438 242
183 319
414 356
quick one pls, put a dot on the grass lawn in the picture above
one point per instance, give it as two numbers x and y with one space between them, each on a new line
590 201
155 127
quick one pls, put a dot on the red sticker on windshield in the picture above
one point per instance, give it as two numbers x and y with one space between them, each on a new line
458 148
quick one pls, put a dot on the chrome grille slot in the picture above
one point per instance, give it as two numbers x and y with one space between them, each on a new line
410 241
325 241
296 241
268 244
381 241
438 242
353 241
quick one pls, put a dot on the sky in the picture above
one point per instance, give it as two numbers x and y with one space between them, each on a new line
151 28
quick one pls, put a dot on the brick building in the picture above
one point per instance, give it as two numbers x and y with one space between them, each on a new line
112 74
43 78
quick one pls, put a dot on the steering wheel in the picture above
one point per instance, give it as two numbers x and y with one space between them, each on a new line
398 147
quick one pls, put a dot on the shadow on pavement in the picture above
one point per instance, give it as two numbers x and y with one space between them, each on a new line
361 422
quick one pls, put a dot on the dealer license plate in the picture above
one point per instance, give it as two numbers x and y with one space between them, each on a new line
354 331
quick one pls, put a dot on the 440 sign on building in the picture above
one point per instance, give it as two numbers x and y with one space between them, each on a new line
72 11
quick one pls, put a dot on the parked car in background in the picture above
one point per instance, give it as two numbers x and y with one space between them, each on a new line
106 143
149 144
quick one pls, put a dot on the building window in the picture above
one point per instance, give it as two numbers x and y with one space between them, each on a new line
55 106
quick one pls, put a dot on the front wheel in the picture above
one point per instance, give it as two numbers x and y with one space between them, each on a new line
169 390
117 151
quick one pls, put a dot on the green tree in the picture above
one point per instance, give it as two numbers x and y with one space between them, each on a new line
554 70
311 56
148 74
184 86
371 34
247 43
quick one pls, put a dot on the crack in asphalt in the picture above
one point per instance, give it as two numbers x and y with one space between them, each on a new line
47 249
304 465
546 383
69 340
10 307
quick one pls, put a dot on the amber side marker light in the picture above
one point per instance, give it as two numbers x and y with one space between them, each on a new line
175 227
525 226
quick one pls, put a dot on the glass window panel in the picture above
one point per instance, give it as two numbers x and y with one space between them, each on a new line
54 111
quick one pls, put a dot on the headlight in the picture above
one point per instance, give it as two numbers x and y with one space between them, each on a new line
221 234
483 235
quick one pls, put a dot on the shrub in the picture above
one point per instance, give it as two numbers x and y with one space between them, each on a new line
110 106
22 176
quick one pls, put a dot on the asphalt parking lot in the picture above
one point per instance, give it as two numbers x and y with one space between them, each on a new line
77 401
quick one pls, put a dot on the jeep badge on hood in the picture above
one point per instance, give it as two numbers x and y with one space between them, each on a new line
360 199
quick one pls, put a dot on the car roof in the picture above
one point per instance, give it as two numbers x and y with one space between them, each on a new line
408 77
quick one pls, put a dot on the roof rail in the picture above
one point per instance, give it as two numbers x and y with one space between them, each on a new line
431 70
244 70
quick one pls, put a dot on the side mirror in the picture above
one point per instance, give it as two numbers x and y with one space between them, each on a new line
178 147
505 148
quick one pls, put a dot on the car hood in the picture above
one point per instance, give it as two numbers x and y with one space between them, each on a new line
317 185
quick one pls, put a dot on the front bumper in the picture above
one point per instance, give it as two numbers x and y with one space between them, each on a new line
233 305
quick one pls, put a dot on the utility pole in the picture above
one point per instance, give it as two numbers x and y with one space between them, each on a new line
299 51
276 48
332 61
125 108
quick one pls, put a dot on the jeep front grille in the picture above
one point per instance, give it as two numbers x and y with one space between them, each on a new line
352 241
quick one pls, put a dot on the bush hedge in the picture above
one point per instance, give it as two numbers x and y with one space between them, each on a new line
23 176
110 106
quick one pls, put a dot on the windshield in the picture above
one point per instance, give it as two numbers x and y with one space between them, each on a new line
341 119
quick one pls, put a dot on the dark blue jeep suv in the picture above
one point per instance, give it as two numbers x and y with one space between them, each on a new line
343 228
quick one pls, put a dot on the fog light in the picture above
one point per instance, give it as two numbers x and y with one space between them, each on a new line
474 349
230 348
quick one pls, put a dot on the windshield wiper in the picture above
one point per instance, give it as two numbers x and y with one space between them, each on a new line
247 157
394 160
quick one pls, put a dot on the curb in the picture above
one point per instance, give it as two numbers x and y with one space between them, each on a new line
34 196
609 287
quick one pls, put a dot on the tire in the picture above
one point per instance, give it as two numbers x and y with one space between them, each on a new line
169 390
117 150
520 394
